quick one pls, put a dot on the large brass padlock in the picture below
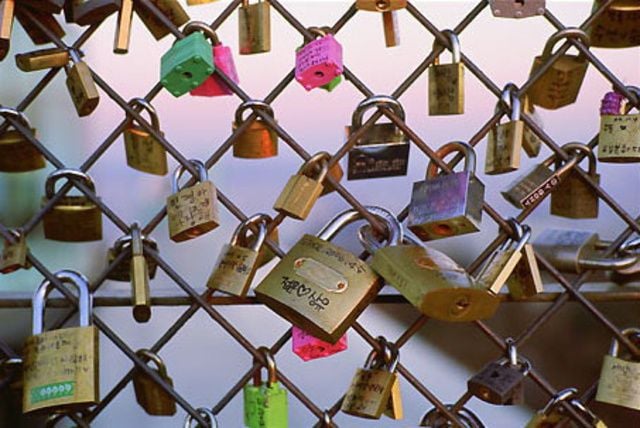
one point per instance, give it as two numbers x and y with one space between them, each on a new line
617 26
258 140
151 397
72 218
14 254
193 210
81 86
320 287
61 366
517 8
465 418
17 154
171 9
446 81
254 27
574 197
447 205
619 138
525 280
619 377
559 85
144 152
122 272
383 149
505 139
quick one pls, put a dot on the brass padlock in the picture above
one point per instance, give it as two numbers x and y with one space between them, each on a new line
619 138
505 139
383 149
152 398
193 210
258 140
446 81
17 154
254 27
466 418
237 264
617 26
171 9
517 8
139 273
35 33
206 414
122 272
144 152
619 376
123 28
574 197
447 205
559 85
391 29
320 287
81 85
72 218
525 280
43 59
61 366
553 415
302 190
14 254
7 14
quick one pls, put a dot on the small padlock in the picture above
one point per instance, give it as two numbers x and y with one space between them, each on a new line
575 198
318 61
617 26
258 140
505 140
192 211
236 265
123 27
171 9
465 418
90 12
265 403
81 85
254 27
310 348
446 81
206 414
43 59
190 61
619 138
525 280
35 33
560 84
72 218
214 86
122 272
17 154
144 152
383 149
139 273
7 14
447 205
61 366
517 8
618 382
531 143
14 254
150 396
302 191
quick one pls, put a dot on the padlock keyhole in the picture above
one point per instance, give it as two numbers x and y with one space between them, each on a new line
520 3
494 374
443 230
187 75
319 74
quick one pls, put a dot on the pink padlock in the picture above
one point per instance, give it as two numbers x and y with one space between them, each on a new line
319 61
223 60
308 347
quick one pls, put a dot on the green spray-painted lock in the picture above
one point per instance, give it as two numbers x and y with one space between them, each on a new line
265 404
333 84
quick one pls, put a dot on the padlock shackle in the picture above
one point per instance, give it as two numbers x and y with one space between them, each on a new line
585 411
194 26
369 241
308 167
567 33
203 175
627 332
319 31
559 397
74 56
76 279
455 47
630 247
388 359
205 413
576 148
50 184
137 247
375 101
253 104
125 241
607 264
508 97
464 415
465 149
17 114
347 217
522 232
146 105
147 355
272 373
261 221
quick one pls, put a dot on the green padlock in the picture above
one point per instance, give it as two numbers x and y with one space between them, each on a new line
189 61
333 84
265 404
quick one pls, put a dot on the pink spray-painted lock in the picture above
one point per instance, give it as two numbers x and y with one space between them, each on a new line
308 347
319 61
214 86
611 104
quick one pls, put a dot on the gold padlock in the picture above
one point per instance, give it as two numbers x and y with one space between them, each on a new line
619 376
171 9
81 85
17 154
560 84
525 280
258 140
139 273
617 26
302 190
154 400
619 138
446 81
72 218
123 28
254 27
14 254
43 59
61 366
505 139
192 211
531 143
144 152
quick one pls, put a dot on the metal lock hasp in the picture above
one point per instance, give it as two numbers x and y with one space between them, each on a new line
446 81
258 140
143 151
505 139
17 154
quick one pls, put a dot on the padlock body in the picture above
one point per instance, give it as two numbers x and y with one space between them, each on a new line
82 89
254 28
573 198
498 268
234 270
37 36
140 293
536 184
619 383
266 406
151 397
42 59
91 12
446 205
617 26
394 408
517 9
309 348
560 84
369 393
61 370
497 383
619 138
73 219
144 152
382 151
193 211
525 280
257 141
319 287
214 86
172 9
504 147
298 196
14 256
17 154
318 62
565 248
186 65
446 89
380 6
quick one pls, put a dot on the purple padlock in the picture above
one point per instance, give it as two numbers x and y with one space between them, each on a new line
611 104
308 347
223 60
319 61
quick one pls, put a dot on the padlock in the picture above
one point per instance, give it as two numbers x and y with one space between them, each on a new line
525 280
61 366
171 9
318 61
192 211
617 26
17 154
430 280
14 254
206 414
72 218
619 376
123 28
575 251
302 190
517 8
139 273
552 415
214 86
446 81
619 138
391 29
43 59
254 27
310 348
258 140
394 408
144 152
383 149
81 86
150 396
560 84
7 14
236 265
319 286
505 140
122 272
35 33
265 403
575 198
447 205
90 12
465 417
189 62
333 84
